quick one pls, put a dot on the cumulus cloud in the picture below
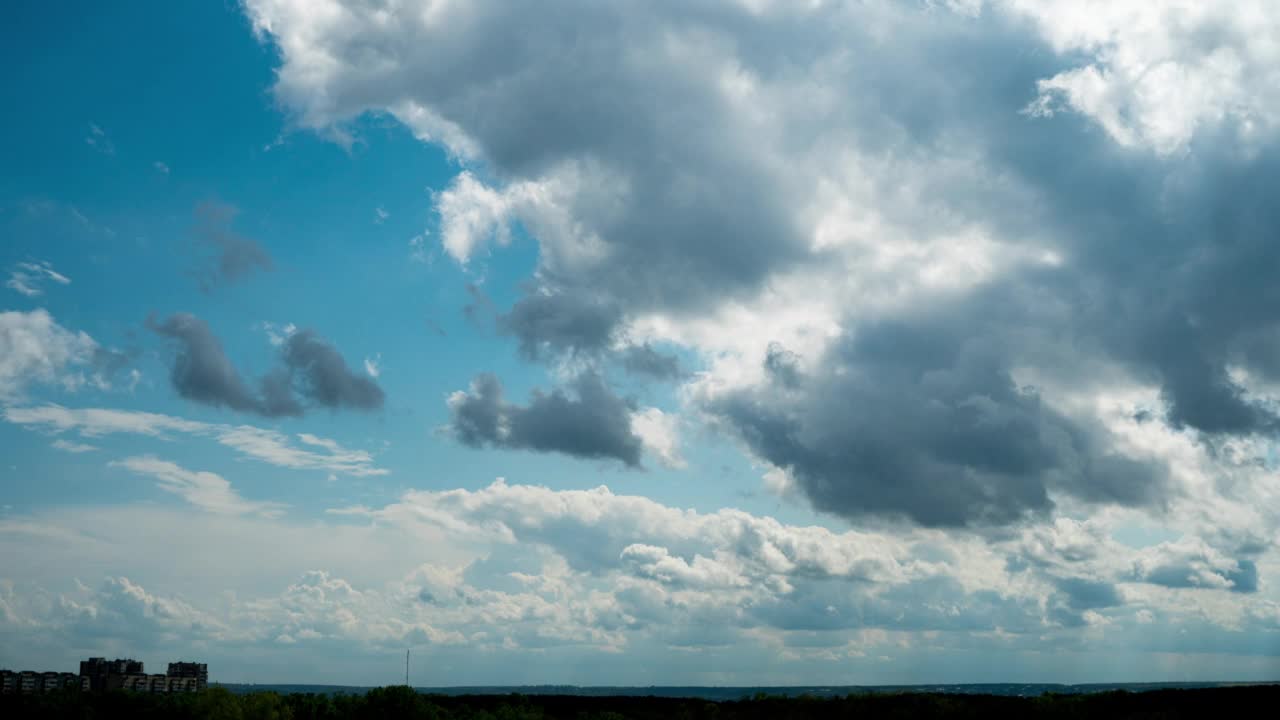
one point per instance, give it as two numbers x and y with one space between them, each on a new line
954 269
120 613
561 322
915 418
588 420
310 371
614 188
35 349
234 257
126 605
669 565
1192 563
660 434
1159 74
1090 570
594 575
593 530
782 365
28 277
470 213
644 360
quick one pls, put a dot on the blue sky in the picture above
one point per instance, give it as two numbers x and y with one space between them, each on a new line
718 343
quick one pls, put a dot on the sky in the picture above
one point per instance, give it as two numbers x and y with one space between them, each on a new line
710 342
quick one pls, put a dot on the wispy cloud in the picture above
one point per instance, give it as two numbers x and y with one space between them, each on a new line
277 334
160 167
206 490
418 249
28 277
265 445
98 140
274 448
72 447
232 257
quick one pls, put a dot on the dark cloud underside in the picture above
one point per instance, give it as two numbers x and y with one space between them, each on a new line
311 374
645 361
586 420
201 370
322 376
920 418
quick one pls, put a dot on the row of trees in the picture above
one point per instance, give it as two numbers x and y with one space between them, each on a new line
395 703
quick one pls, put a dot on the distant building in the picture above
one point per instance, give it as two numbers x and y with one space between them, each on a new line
137 683
185 685
190 670
101 670
156 684
99 674
30 681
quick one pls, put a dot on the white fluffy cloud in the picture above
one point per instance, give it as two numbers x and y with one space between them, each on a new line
469 214
660 433
593 529
1162 72
530 571
34 348
473 214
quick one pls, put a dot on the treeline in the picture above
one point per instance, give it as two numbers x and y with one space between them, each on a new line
396 703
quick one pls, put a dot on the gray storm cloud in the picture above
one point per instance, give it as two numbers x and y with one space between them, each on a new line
921 418
587 420
645 361
322 376
311 373
201 370
561 322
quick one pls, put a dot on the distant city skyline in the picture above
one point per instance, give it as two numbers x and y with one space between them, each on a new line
710 342
98 674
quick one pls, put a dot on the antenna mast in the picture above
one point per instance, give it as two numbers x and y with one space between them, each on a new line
406 668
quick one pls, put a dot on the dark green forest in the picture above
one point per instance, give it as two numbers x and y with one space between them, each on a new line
393 703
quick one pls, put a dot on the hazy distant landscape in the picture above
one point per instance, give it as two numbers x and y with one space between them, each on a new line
403 703
742 693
